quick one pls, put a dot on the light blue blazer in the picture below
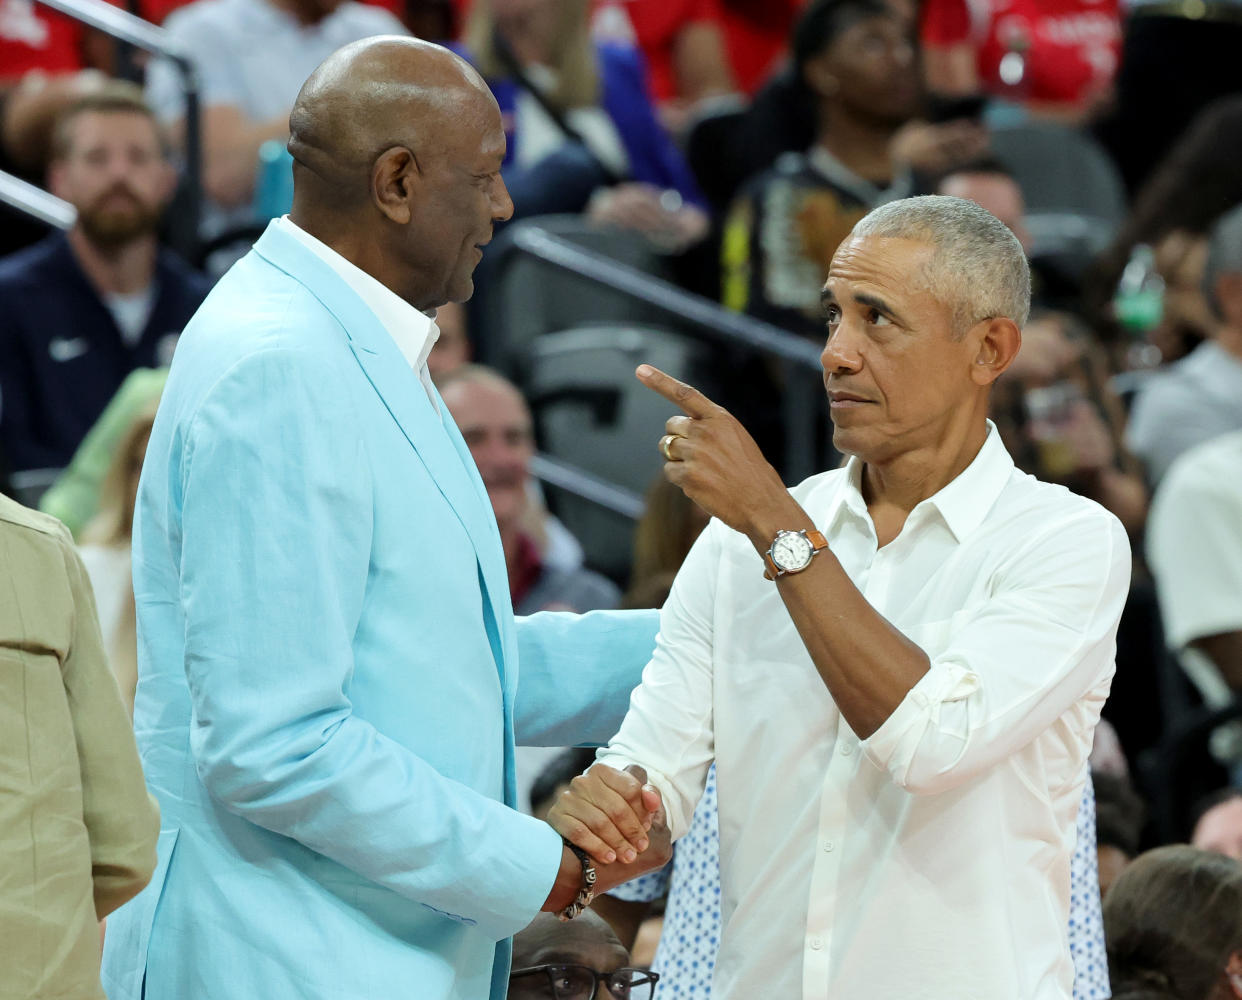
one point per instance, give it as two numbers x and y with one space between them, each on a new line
328 688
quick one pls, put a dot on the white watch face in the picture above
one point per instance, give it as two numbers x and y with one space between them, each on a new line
791 551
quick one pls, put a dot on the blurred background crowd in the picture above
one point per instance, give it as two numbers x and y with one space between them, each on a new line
682 171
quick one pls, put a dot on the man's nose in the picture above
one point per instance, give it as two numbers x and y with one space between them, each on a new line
502 204
839 355
117 167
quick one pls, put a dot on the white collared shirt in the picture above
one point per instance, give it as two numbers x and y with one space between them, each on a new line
932 859
414 333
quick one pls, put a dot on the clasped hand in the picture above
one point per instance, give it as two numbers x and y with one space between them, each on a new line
617 818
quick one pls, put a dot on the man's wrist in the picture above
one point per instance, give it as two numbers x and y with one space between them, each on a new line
586 887
765 525
568 882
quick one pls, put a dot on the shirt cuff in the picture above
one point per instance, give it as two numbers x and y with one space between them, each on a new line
894 745
646 888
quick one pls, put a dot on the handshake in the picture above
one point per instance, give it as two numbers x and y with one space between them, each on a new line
618 819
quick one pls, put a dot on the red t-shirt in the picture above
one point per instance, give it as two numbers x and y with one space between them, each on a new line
757 34
35 37
156 10
1069 48
653 26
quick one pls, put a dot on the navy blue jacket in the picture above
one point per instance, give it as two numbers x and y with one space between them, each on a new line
61 355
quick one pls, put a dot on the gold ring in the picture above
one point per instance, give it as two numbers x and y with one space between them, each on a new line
666 443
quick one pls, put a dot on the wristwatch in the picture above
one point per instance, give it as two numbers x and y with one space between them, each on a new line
792 552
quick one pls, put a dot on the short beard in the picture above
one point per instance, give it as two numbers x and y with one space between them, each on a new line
112 231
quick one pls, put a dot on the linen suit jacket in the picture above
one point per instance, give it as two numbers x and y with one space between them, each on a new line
77 827
328 669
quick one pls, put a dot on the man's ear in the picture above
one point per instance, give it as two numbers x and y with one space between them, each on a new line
168 183
1228 293
818 75
56 179
1234 972
394 183
997 341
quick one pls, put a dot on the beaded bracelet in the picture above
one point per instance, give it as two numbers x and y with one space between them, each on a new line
587 892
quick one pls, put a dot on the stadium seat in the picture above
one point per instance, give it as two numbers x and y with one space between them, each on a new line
1075 199
591 412
526 298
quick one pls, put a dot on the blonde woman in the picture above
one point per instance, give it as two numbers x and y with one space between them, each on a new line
579 120
105 552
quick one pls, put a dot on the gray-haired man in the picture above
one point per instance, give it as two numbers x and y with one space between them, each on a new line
897 666
1200 396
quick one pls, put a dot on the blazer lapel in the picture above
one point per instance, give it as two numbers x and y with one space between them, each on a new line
435 440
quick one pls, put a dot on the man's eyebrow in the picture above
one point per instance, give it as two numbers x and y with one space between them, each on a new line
828 296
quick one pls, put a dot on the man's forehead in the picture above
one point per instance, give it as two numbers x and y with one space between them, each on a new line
492 144
894 264
594 953
487 400
111 123
589 943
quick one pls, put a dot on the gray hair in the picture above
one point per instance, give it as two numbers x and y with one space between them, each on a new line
979 268
1224 253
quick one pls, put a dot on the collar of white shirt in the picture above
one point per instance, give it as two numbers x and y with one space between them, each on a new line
414 333
962 504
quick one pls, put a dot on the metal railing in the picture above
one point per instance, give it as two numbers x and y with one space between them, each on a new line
797 357
134 31
581 483
35 202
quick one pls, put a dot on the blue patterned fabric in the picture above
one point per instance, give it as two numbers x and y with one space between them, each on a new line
691 935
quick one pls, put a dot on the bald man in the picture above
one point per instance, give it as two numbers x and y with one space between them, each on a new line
328 671
582 960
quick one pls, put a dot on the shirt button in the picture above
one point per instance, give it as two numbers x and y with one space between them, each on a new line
828 845
816 944
846 750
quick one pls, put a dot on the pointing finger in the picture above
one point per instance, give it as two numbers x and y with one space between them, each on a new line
692 402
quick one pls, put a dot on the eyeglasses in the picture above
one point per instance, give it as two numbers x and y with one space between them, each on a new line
577 982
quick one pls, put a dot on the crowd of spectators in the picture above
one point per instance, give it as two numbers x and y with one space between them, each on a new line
736 143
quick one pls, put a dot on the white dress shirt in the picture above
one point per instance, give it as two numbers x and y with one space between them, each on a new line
931 860
415 333
1194 545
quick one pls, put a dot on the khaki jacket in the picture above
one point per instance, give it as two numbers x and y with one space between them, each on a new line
77 827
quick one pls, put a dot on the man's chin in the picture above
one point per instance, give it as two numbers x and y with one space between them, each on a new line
461 289
847 440
115 229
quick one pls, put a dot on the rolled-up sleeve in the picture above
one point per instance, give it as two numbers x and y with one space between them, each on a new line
1043 645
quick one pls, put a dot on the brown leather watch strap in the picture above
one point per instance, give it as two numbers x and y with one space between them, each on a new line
818 544
771 570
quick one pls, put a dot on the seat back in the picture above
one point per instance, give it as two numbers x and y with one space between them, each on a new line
1075 198
591 412
526 297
